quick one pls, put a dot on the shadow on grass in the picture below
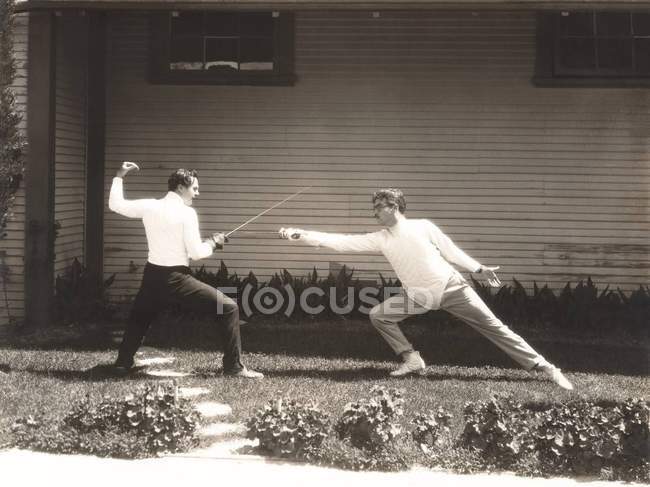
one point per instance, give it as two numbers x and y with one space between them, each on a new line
371 373
358 340
467 349
94 374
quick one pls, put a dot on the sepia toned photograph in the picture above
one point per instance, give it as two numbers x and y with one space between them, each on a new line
325 242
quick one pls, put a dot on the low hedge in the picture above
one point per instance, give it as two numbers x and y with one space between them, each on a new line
610 440
581 306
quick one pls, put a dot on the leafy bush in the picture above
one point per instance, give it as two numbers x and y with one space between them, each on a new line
611 440
500 429
153 422
287 428
587 438
581 437
430 427
372 424
341 454
77 299
12 141
582 307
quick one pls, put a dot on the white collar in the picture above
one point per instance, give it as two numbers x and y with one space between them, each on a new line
171 195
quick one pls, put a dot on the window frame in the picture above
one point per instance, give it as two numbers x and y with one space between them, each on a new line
160 50
546 61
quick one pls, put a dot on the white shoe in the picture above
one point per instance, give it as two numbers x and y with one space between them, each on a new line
246 374
413 364
556 376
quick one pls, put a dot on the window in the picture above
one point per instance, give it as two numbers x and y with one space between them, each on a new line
194 47
594 48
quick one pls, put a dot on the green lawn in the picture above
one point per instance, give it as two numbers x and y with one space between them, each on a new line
329 363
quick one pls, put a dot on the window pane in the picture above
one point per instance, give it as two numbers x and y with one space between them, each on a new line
221 54
613 24
187 23
256 25
256 54
615 54
576 24
642 55
221 24
641 24
577 54
186 53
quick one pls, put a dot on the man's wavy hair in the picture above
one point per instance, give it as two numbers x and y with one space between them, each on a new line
181 177
391 196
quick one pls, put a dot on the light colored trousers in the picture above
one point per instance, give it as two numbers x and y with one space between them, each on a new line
460 300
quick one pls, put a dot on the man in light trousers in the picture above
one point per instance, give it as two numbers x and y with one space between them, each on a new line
420 254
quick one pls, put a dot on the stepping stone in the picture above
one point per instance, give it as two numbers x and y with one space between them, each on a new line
167 373
156 360
221 429
192 391
211 409
235 449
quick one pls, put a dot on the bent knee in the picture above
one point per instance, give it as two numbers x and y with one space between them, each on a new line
375 315
229 305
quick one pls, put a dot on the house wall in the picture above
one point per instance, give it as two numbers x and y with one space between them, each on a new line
13 243
70 145
550 184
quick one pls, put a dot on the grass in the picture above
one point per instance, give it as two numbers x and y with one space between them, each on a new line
330 364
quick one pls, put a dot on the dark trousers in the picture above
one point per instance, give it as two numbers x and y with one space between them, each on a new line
162 286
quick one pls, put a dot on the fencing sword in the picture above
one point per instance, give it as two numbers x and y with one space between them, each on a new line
250 220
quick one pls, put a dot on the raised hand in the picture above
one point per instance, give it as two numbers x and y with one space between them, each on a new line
490 275
126 167
290 233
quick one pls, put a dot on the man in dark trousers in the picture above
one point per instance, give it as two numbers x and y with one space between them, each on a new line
420 253
173 238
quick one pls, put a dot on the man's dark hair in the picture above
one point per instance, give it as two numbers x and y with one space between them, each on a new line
181 177
392 197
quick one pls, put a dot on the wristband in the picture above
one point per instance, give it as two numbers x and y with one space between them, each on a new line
480 269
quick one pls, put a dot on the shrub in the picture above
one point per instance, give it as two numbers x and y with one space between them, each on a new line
76 297
12 141
581 307
287 428
341 454
499 429
372 423
588 438
150 423
429 428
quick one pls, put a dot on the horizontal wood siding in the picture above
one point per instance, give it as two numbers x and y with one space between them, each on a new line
70 174
550 184
13 244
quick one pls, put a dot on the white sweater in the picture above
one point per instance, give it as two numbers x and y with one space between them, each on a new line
417 250
171 226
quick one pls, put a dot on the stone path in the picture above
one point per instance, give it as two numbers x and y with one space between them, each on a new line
218 429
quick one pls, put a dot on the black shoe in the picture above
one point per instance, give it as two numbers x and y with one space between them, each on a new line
121 371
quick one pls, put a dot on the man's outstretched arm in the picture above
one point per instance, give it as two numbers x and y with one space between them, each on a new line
367 242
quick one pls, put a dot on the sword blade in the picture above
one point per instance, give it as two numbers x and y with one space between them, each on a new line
267 210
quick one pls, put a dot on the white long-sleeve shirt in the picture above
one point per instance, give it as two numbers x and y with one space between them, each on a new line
172 227
418 251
